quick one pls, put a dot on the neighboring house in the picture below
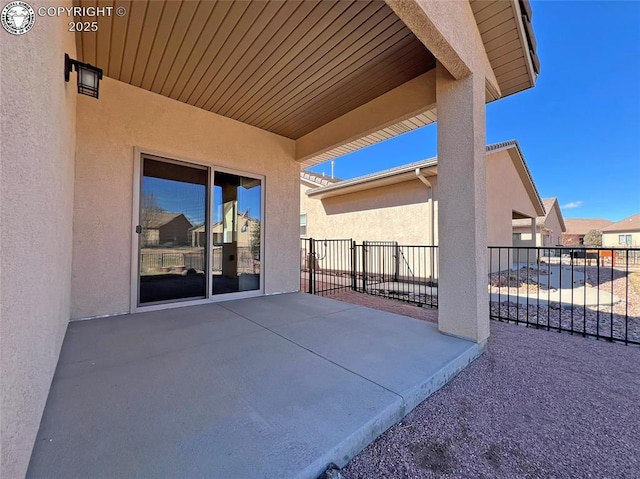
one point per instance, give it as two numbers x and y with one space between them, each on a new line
212 104
309 179
624 233
166 229
549 227
578 227
244 229
401 204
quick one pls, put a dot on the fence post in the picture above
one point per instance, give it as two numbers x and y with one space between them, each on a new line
397 262
312 266
354 284
364 266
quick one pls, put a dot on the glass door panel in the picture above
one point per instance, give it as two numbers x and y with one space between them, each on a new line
173 232
236 233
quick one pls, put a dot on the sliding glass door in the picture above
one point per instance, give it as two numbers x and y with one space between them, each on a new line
172 232
237 230
199 232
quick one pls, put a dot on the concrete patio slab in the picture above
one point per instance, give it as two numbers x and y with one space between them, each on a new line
282 309
208 391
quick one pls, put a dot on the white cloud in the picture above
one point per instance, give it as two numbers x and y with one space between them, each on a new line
573 204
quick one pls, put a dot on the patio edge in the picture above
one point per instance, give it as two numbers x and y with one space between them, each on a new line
353 445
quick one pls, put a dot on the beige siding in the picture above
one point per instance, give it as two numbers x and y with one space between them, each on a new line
36 196
108 131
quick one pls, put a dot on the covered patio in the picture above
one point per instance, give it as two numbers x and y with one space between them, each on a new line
209 110
276 386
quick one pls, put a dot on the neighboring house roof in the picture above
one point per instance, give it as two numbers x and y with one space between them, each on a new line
159 219
632 223
408 171
549 205
319 180
581 226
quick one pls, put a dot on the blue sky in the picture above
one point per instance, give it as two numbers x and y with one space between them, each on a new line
579 128
189 199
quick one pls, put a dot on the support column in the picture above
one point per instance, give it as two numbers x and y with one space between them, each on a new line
534 238
229 231
463 302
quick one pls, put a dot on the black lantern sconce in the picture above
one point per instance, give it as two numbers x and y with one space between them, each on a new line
88 76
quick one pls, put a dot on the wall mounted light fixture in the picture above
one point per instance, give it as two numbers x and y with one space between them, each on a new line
88 76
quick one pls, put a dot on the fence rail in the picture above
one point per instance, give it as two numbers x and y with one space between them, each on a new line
162 262
593 292
406 273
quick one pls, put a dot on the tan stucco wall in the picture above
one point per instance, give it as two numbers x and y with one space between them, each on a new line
553 223
401 212
397 212
108 131
611 240
551 238
36 196
525 238
505 194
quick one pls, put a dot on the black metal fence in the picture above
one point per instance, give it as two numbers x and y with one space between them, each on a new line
162 261
380 268
326 265
591 292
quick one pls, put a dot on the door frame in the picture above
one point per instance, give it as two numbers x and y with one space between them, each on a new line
138 156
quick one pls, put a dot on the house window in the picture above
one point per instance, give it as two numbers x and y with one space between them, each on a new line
624 239
303 225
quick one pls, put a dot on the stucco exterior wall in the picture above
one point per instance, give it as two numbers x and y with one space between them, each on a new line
525 238
401 212
505 194
37 118
397 212
553 223
546 239
126 117
611 240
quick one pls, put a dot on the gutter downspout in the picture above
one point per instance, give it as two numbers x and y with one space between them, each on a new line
421 177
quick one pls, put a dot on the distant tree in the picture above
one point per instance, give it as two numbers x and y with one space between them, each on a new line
150 215
593 238
150 211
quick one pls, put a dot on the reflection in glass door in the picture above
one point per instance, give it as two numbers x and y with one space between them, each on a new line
236 233
172 232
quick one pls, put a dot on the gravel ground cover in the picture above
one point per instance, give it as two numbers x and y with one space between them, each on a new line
536 404
620 321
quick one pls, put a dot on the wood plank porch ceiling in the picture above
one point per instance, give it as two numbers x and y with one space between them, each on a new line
287 67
